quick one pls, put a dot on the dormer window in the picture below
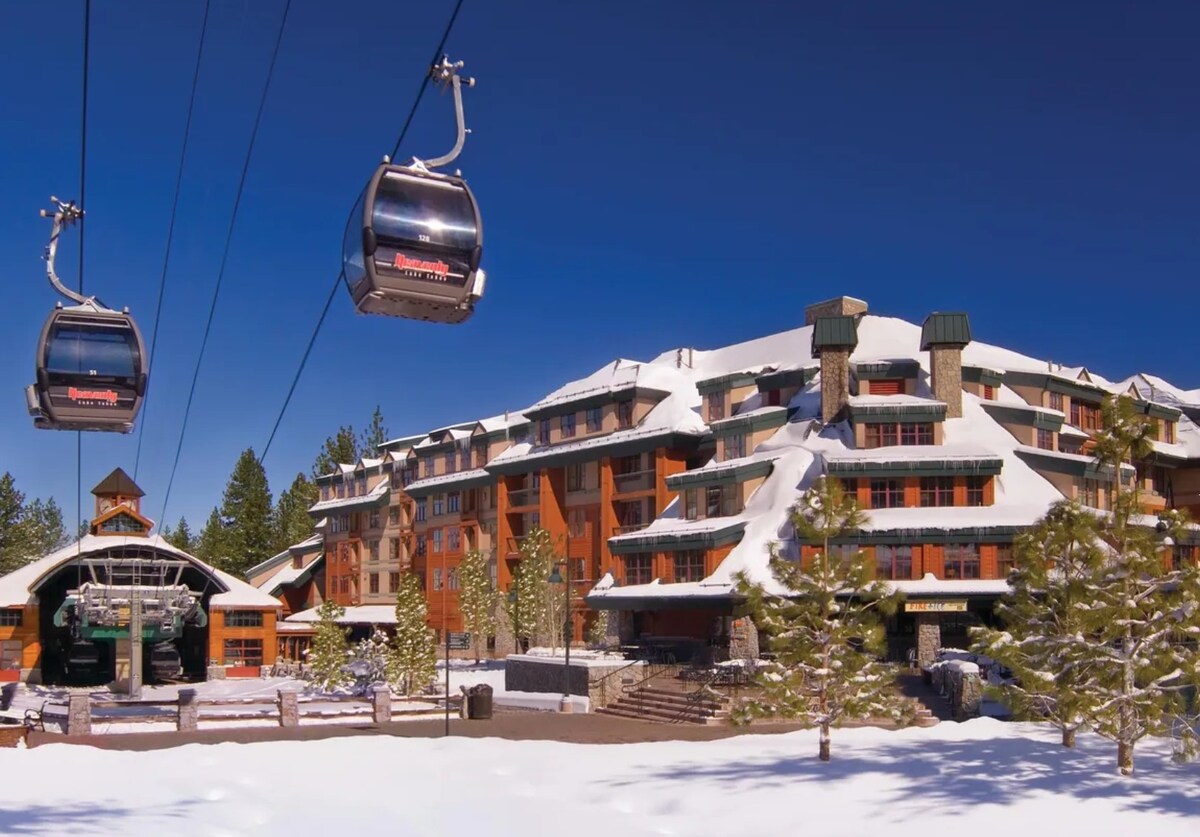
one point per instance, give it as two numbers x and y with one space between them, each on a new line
715 405
594 419
566 424
1056 401
544 432
625 413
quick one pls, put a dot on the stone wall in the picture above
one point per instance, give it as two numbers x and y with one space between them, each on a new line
840 306
960 683
929 637
743 640
945 363
835 382
601 683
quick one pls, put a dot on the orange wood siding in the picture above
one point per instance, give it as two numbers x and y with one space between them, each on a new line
218 633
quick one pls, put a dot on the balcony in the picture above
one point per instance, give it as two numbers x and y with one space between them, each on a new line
524 498
514 544
470 512
625 530
634 482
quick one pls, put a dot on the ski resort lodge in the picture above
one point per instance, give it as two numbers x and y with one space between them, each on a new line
662 479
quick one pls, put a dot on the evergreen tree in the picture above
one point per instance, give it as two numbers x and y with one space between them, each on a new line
598 631
339 449
246 507
413 644
476 598
14 544
372 661
1045 619
527 603
330 652
45 532
181 537
374 436
826 631
289 520
211 545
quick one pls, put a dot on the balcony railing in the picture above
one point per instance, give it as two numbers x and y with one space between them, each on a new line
525 497
636 481
625 530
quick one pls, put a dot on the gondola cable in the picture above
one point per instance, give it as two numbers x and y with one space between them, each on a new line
341 277
225 254
187 129
87 29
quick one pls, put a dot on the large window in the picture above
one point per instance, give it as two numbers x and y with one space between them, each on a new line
10 654
1005 563
421 549
480 454
715 403
393 515
1085 416
393 582
937 491
689 565
11 617
916 433
1045 439
451 461
881 435
453 539
576 475
452 578
427 466
566 424
373 521
439 505
373 549
893 562
1089 493
121 523
691 501
244 652
452 502
437 578
394 549
594 419
735 446
961 560
437 541
887 494
637 568
843 553
976 490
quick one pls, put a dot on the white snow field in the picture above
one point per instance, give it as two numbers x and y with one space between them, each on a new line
980 778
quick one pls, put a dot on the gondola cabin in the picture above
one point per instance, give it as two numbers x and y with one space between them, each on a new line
413 245
91 371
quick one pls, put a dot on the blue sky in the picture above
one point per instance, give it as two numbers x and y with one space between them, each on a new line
651 175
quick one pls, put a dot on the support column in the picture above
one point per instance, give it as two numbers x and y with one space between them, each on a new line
79 714
289 709
381 704
929 637
188 718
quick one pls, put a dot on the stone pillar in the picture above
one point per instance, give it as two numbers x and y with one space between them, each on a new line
79 715
381 704
945 365
970 697
929 637
836 307
743 640
835 382
123 668
289 709
188 718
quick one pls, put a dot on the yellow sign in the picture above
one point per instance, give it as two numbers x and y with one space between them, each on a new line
958 606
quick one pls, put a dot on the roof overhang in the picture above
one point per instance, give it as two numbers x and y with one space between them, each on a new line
677 541
573 454
719 475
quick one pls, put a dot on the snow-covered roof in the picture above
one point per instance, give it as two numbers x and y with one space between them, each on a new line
304 545
446 479
354 615
335 503
913 453
15 587
930 585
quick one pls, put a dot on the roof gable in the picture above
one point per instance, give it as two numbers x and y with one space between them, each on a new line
118 483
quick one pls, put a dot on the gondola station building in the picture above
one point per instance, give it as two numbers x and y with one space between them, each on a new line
662 479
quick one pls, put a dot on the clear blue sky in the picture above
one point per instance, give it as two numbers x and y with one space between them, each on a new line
651 175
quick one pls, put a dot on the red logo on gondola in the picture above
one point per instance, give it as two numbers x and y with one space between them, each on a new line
106 395
437 268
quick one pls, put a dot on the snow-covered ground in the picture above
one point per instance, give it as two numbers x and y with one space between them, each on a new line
981 778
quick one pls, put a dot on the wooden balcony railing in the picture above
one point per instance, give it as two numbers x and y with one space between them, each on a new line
635 481
524 498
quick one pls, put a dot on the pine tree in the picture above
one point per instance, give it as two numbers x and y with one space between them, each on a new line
330 652
181 536
826 632
339 449
1045 619
14 544
527 603
413 643
372 660
598 630
374 436
290 522
45 532
211 545
476 598
246 507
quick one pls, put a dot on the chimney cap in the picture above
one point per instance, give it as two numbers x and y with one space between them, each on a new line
945 328
834 333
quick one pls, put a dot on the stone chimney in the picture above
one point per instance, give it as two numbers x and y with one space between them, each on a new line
943 335
833 339
840 306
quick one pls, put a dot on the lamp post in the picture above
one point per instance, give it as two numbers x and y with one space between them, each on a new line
556 578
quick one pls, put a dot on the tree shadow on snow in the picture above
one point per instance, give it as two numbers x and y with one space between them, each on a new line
99 817
934 773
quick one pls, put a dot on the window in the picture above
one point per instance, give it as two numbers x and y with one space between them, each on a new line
373 548
121 523
394 549
1089 494
422 506
575 476
976 488
625 413
691 504
437 541
916 434
842 553
989 392
1045 439
361 488
427 466
452 502
961 560
1056 401
374 521
453 539
393 515
887 494
937 491
421 546
566 424
893 562
393 582
450 460
439 505
480 455
437 578
888 386
712 504
346 584
1182 555
452 578
11 617
594 419
1168 432
1085 416
715 403
1005 563
850 486
396 479
881 435
774 398
409 474
244 652
341 489
637 569
544 432
325 492
373 583
339 523
689 565
491 564
735 446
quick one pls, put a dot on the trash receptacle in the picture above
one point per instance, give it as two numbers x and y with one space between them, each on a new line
479 702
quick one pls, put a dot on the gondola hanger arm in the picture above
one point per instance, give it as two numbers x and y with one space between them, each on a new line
447 73
65 214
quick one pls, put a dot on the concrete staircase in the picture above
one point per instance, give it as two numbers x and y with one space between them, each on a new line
664 706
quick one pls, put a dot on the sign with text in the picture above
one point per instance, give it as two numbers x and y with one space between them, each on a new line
459 641
956 606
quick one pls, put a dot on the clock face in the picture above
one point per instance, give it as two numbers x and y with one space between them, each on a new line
106 503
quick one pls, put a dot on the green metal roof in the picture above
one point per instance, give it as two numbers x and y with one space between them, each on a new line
1047 461
945 328
761 419
720 476
881 369
1159 411
1081 390
722 382
834 332
982 375
678 541
596 399
984 466
551 458
1025 417
787 378
933 536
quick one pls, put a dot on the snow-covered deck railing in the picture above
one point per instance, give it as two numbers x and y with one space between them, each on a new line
911 459
472 478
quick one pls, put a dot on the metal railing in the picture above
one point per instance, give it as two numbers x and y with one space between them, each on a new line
625 530
634 481
524 497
